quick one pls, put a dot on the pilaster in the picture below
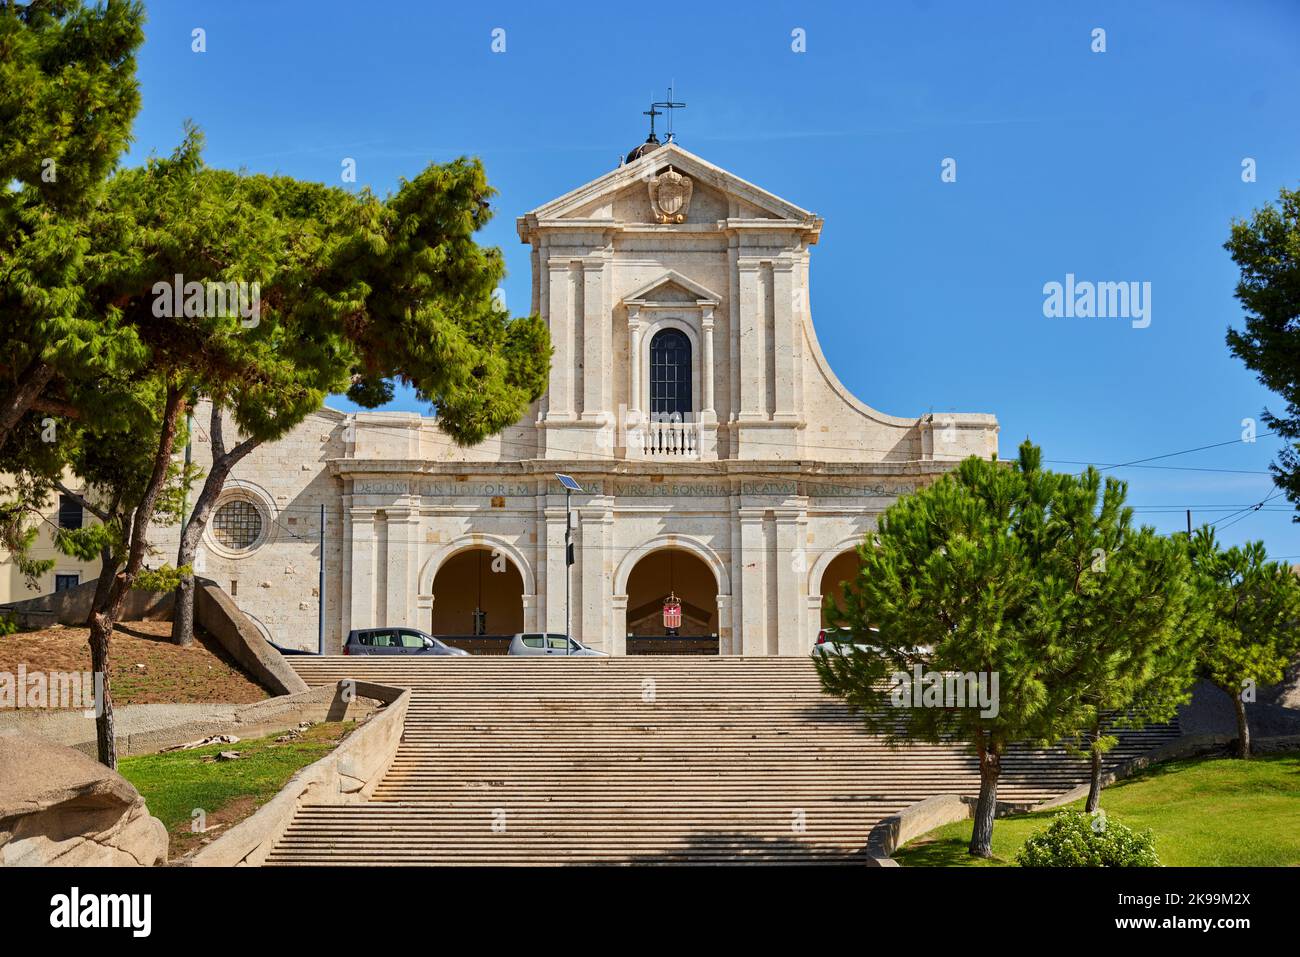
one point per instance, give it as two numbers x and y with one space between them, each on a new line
753 583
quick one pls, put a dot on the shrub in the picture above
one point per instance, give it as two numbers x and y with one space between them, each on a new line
8 625
1079 839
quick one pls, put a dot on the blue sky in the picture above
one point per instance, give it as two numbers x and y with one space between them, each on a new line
927 296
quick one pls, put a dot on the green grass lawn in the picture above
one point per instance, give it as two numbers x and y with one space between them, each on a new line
1207 812
176 783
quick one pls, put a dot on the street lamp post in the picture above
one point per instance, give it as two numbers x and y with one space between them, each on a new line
570 486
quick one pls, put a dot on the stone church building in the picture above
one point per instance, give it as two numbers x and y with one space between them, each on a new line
722 462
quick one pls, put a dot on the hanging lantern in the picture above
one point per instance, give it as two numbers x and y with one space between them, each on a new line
672 611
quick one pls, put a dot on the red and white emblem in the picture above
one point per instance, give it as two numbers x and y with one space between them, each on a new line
672 612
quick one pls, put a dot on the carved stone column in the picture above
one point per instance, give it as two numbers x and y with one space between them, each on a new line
708 443
634 419
618 625
634 327
362 523
556 569
725 632
752 371
561 321
596 341
791 575
708 413
786 345
402 560
753 584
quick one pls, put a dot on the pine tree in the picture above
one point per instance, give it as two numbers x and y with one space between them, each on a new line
358 294
1266 248
352 289
1251 631
1013 572
68 96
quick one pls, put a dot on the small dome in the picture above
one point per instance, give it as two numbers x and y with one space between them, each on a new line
650 145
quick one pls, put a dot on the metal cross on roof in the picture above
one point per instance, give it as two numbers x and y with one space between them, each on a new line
669 104
652 113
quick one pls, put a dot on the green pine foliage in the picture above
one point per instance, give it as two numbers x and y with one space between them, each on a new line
354 291
1035 577
1251 627
1266 249
68 96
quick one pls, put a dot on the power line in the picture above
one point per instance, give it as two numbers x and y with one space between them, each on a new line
1171 468
1168 455
1246 512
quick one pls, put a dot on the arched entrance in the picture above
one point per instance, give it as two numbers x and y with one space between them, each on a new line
843 568
657 576
478 593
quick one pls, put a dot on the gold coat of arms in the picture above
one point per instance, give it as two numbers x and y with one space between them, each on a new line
670 196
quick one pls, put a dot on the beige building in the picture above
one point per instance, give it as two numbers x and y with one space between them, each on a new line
59 511
721 460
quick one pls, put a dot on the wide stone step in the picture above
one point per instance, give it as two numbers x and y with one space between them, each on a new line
515 761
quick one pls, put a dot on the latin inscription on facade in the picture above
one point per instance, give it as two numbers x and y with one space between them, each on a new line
811 489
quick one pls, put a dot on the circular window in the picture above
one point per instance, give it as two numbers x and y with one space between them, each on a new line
237 525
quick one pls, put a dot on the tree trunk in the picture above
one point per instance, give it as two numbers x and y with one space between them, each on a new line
31 383
981 839
110 592
222 464
183 609
100 637
101 631
1094 784
1243 726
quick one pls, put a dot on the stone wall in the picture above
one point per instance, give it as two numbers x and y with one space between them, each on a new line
349 774
72 607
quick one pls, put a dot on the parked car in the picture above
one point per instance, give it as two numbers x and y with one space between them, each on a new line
290 651
840 641
396 641
536 644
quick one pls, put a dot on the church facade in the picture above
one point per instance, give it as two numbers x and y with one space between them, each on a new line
723 466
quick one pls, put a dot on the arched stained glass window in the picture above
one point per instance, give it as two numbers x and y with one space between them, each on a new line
670 376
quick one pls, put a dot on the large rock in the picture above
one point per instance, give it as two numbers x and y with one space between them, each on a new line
58 806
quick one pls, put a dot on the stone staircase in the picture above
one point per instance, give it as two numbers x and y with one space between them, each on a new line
636 760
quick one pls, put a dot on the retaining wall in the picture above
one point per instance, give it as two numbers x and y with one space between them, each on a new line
214 611
148 728
347 775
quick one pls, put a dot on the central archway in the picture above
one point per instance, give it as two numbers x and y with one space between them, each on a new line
672 566
478 593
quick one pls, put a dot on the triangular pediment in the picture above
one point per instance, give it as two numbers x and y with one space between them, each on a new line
673 287
585 202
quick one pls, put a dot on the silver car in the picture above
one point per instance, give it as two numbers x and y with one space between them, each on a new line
840 641
552 644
